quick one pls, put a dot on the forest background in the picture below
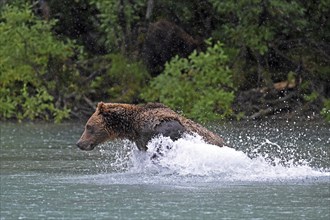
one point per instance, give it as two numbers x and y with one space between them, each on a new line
209 59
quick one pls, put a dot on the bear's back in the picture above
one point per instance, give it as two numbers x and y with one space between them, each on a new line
154 115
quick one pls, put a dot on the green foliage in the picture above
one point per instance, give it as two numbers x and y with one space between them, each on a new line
26 48
311 97
42 76
123 80
37 105
272 37
118 20
124 22
201 86
326 110
255 23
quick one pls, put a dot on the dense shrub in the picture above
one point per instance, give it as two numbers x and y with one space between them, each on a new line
271 39
122 81
201 85
44 75
119 23
326 110
28 52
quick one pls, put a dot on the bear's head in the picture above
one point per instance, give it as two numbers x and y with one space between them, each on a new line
97 129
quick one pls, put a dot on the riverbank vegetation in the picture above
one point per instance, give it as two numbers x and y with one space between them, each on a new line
209 59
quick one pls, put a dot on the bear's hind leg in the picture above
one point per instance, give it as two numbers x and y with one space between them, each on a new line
172 129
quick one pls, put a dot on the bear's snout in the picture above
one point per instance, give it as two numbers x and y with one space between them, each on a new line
79 144
83 146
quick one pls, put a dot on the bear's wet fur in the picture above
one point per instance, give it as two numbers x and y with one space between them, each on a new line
139 124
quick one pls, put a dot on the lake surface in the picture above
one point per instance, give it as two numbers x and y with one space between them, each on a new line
273 171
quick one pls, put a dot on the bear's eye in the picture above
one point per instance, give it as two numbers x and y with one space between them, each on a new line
90 129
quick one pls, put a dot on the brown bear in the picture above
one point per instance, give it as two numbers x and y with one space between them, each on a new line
139 124
163 41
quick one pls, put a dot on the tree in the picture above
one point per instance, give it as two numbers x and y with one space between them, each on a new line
276 38
31 60
201 85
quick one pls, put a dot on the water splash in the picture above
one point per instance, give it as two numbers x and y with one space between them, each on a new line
191 156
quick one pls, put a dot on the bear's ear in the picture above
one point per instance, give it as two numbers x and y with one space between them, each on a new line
101 107
104 109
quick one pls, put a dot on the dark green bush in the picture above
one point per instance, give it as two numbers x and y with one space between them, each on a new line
27 48
326 110
123 80
201 85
